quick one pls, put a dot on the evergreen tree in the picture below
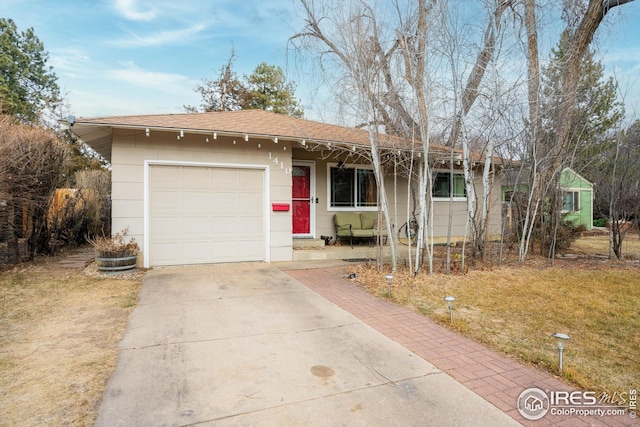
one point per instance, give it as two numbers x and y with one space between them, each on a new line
265 89
27 84
597 109
269 90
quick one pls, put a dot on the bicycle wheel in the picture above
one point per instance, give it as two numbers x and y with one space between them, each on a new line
408 233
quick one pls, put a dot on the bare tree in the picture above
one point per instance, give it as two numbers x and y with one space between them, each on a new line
31 161
355 42
226 93
553 148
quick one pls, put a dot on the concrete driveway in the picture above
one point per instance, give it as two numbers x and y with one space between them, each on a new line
245 344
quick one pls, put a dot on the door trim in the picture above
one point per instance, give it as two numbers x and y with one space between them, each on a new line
147 192
312 189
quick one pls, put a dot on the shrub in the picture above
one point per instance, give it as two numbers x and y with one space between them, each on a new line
82 211
116 244
600 222
31 159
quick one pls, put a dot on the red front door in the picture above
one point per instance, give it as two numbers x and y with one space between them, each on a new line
301 202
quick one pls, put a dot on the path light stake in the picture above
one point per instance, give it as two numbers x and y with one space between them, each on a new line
389 278
561 340
449 299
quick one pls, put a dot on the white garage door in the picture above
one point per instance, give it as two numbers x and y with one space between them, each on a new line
203 215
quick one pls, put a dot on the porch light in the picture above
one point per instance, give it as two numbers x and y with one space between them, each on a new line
259 145
215 135
246 137
285 148
206 139
561 340
304 142
389 278
146 132
181 134
275 139
450 299
234 142
353 148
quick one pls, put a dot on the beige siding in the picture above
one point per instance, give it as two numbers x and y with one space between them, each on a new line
398 203
132 148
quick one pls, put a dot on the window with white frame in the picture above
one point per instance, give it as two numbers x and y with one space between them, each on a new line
352 187
446 184
570 201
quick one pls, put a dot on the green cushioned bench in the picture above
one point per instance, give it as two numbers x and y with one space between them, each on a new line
359 225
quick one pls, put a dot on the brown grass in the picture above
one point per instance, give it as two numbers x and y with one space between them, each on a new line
599 245
59 331
516 309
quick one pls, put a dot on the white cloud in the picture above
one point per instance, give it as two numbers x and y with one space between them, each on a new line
164 82
163 38
69 61
129 9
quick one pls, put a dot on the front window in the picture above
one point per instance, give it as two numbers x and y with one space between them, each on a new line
352 187
444 186
571 201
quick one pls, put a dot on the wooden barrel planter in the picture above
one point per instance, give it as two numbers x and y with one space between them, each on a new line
115 261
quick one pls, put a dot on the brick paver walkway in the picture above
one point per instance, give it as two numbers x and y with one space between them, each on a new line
78 259
497 378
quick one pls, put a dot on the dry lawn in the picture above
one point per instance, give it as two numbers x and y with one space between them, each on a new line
599 245
515 309
59 331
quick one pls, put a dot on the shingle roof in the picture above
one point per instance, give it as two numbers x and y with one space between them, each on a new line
96 131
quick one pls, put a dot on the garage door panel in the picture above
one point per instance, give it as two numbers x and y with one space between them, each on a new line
205 215
250 203
196 252
253 182
222 202
166 180
164 253
225 178
166 226
165 200
196 177
226 226
197 226
195 201
252 227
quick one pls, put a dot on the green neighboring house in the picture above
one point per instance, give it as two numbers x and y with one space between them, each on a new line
577 198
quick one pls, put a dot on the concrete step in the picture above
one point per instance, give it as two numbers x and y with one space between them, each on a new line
307 243
344 252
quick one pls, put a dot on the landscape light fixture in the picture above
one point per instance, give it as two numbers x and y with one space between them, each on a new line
561 340
450 299
389 278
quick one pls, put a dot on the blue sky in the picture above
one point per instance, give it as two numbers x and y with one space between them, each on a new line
145 56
